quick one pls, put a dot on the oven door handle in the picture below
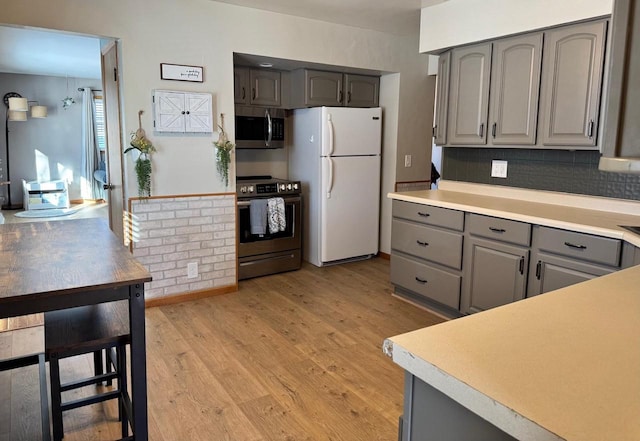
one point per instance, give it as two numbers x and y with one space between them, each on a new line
287 199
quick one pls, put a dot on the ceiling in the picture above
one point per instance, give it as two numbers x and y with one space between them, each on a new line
400 17
61 54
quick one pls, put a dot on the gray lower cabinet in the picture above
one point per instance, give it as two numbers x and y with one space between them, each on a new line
469 95
430 415
426 255
562 258
571 84
496 261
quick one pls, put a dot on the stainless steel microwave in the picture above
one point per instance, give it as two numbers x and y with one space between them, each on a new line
259 128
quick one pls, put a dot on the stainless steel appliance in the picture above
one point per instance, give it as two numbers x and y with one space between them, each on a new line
269 253
259 128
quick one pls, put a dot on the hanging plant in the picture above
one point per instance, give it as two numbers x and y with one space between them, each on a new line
224 147
141 143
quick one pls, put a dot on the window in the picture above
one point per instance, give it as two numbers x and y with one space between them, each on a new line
98 110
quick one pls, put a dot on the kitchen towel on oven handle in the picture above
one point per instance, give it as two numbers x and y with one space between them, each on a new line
258 216
276 215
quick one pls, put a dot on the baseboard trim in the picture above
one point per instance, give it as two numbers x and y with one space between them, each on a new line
384 256
189 296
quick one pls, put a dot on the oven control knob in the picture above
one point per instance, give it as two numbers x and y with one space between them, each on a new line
295 185
243 189
251 189
282 187
289 186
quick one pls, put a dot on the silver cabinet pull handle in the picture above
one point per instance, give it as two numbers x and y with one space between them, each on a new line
419 280
497 230
422 244
578 247
493 130
590 130
482 130
420 213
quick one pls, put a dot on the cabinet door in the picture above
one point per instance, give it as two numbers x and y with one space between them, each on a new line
265 88
554 272
323 88
240 85
469 92
495 275
169 111
361 90
571 84
515 83
442 99
199 113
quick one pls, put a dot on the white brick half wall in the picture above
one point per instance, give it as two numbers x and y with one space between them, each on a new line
171 232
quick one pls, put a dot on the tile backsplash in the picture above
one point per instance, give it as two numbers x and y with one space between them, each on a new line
553 170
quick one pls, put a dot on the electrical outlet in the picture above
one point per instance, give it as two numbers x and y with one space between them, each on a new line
498 169
407 160
192 270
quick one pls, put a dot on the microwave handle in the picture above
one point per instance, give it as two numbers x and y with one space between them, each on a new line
269 128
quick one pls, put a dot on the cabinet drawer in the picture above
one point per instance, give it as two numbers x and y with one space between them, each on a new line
499 229
579 245
439 246
435 284
426 214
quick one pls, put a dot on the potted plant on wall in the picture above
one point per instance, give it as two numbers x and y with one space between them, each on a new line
141 143
224 147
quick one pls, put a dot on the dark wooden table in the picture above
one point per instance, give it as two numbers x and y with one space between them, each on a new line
52 265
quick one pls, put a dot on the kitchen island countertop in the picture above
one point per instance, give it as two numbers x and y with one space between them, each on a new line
560 366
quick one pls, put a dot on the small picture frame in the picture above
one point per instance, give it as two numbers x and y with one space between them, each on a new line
180 72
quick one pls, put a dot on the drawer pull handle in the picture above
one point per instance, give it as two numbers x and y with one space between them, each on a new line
420 213
422 244
538 269
419 280
522 265
497 230
578 247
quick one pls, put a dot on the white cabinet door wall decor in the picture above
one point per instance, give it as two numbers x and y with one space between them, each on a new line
183 112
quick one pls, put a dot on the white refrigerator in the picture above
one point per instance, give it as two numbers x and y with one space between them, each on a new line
336 157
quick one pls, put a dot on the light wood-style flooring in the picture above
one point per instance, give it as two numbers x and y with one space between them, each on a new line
295 356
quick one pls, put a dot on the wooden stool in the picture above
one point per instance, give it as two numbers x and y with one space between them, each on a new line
83 330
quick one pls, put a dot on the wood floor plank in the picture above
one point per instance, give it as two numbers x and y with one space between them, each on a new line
289 357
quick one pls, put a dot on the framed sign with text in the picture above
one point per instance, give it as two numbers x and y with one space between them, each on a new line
180 72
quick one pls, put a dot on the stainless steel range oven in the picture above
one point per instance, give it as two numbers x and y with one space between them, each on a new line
268 253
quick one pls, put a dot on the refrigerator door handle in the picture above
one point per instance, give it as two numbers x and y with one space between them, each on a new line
330 183
330 127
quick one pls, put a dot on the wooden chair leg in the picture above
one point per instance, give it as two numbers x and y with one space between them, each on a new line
56 398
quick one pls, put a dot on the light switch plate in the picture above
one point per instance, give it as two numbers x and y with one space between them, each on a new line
407 160
192 270
498 169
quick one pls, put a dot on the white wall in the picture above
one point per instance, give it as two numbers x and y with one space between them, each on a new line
57 138
458 22
206 33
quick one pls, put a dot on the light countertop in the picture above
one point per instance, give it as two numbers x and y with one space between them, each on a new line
560 366
591 215
564 365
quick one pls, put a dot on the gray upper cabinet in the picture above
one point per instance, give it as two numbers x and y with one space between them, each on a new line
442 99
310 88
469 95
620 146
361 90
265 88
317 88
515 81
240 85
571 84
